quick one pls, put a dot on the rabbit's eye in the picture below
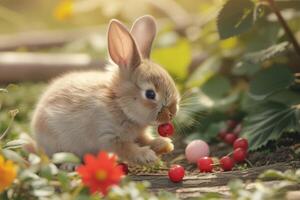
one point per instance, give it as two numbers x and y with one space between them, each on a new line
150 94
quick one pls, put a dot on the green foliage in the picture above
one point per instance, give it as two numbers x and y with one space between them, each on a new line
236 17
63 157
269 81
175 58
266 54
268 122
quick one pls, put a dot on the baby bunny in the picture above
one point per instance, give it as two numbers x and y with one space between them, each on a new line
85 112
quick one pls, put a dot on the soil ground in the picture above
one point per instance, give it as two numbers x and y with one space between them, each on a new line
281 156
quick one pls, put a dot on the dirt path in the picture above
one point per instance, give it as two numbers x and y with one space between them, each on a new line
195 185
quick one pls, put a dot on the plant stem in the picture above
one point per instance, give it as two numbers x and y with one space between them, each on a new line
285 26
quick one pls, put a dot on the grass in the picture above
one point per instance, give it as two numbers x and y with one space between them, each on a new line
22 97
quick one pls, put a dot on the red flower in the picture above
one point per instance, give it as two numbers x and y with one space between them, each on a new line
100 173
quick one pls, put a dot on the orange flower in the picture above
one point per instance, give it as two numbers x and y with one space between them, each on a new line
8 172
100 173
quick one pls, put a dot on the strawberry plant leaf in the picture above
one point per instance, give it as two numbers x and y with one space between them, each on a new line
266 54
268 122
236 17
269 81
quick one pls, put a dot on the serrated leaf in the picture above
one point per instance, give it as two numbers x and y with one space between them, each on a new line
64 157
174 59
266 54
268 122
236 17
269 81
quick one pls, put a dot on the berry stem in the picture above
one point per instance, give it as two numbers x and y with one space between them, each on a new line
284 25
249 163
230 154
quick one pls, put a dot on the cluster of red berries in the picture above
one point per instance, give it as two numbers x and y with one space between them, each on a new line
239 154
206 164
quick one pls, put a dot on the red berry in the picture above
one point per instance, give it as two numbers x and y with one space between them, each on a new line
166 130
226 163
230 138
241 143
222 134
176 173
124 168
239 155
205 164
231 124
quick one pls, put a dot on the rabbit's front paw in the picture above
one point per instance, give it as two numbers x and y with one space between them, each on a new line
162 145
144 156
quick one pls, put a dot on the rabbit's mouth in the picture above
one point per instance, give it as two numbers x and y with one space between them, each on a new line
166 114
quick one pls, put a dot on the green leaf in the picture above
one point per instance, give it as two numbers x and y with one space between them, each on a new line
287 97
266 54
174 59
267 122
245 68
269 81
289 175
216 87
12 155
271 174
63 157
14 144
236 17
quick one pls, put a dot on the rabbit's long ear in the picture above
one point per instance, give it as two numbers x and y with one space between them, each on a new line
144 31
121 46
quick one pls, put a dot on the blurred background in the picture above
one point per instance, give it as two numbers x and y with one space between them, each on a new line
215 68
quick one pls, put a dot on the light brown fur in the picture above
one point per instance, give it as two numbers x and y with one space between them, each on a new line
85 112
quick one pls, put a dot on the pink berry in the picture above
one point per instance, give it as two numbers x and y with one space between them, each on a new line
196 150
176 173
226 163
166 130
230 138
241 143
239 155
205 164
231 124
124 168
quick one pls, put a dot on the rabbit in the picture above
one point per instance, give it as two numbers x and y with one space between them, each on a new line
111 110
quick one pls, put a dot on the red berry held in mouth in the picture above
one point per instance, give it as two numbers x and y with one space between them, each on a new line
176 173
226 163
241 143
124 168
205 164
239 155
166 130
230 138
